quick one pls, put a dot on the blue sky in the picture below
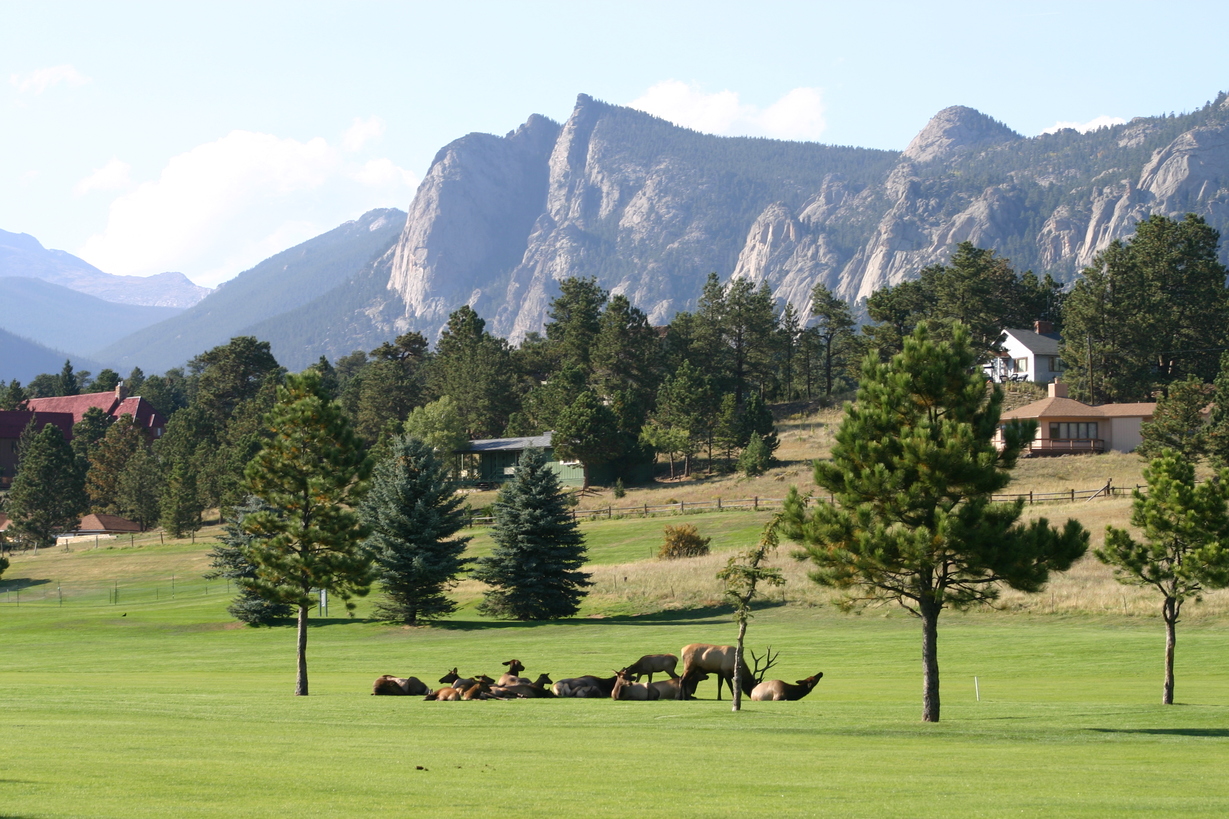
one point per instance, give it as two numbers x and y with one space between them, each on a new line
204 137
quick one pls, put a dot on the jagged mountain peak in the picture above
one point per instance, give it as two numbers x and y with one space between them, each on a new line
954 128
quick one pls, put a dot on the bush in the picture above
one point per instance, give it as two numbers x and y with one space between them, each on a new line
683 541
756 458
619 491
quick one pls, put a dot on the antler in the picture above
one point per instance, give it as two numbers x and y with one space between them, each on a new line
771 660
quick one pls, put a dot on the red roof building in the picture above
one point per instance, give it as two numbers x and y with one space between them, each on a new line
101 524
114 404
11 425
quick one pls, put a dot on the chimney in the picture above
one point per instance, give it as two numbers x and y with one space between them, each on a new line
121 391
1041 327
1057 389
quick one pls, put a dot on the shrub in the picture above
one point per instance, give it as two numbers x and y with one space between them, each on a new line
683 541
619 491
756 458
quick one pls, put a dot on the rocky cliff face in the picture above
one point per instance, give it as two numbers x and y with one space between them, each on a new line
650 209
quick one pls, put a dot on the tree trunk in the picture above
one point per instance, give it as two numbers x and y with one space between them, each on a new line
300 684
1170 612
930 659
736 684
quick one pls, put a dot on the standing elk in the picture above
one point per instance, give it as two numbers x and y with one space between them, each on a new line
653 664
716 660
779 690
399 686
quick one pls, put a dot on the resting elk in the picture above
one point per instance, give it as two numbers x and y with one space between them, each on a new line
510 676
670 689
653 664
534 690
716 660
586 686
625 689
779 690
399 686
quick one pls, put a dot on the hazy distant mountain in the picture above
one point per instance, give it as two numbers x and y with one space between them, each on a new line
22 255
279 284
23 359
65 319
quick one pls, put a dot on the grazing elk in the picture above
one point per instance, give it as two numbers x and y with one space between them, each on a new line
534 690
510 676
779 690
626 689
653 664
399 686
716 660
587 686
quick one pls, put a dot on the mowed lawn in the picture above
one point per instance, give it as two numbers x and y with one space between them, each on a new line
167 708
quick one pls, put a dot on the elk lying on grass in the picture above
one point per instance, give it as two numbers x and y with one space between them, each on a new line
670 689
587 686
510 677
399 686
534 690
625 689
779 690
716 660
653 664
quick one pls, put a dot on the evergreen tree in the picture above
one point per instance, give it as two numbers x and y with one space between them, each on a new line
111 455
789 333
1185 549
588 431
230 374
756 457
311 473
575 320
229 560
913 475
1177 423
414 515
1217 431
728 431
48 496
135 380
139 490
475 368
13 397
68 381
624 361
757 420
534 571
749 323
180 504
106 381
834 330
439 425
684 404
88 433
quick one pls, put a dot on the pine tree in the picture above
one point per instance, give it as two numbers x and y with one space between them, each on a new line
1177 422
111 455
181 505
139 490
913 475
89 432
13 397
48 496
534 571
755 458
68 384
1185 549
312 474
588 431
414 514
229 560
757 420
834 330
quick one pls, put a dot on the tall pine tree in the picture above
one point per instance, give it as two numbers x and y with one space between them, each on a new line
48 495
534 572
229 560
414 514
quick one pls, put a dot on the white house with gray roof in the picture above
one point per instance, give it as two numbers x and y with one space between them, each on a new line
1027 355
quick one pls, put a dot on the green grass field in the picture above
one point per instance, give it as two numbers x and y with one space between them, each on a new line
151 706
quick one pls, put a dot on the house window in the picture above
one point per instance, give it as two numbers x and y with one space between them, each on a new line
1073 430
1056 364
1021 365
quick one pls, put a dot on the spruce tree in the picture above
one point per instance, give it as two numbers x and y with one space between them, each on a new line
47 497
589 432
312 472
1177 422
139 490
181 505
913 474
414 514
534 571
229 560
1185 547
757 420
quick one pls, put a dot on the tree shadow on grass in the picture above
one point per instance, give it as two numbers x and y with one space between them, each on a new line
20 584
670 617
1218 733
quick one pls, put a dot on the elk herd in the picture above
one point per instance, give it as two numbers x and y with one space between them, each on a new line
700 661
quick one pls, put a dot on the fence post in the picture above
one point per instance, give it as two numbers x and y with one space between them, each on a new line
755 503
1030 497
646 509
1073 495
682 506
718 503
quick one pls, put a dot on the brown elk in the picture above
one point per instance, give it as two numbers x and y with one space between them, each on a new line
510 677
626 689
399 686
716 660
587 686
653 664
534 690
453 681
446 694
779 690
670 689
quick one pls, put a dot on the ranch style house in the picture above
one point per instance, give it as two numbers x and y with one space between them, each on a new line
1066 426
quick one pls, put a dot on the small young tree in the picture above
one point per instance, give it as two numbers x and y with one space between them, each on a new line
683 541
913 473
48 494
741 577
1177 423
1186 542
534 572
414 514
312 472
230 561
755 458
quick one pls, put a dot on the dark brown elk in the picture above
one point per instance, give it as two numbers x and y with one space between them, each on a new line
587 686
510 677
779 690
399 686
715 660
534 690
653 664
626 689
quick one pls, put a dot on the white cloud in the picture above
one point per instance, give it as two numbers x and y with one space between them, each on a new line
361 132
797 115
1100 122
38 81
221 207
110 177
